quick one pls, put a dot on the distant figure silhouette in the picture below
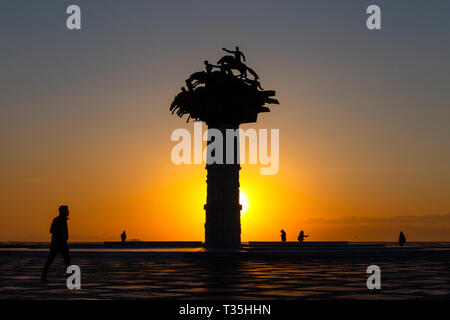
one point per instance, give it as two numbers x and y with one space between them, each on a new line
123 236
401 239
238 55
301 236
60 234
283 235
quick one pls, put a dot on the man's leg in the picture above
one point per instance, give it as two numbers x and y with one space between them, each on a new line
51 257
64 249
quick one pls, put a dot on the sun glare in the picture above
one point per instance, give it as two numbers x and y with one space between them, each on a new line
243 199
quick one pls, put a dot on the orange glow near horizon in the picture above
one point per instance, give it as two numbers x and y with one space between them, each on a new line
155 200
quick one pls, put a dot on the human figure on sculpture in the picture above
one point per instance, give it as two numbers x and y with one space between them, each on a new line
238 55
209 67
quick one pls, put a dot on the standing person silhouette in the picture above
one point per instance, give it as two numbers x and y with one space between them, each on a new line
60 234
123 236
302 236
283 235
401 239
237 54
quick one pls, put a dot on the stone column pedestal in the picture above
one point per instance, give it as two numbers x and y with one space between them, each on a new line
223 211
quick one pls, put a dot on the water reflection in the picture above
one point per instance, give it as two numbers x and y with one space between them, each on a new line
114 275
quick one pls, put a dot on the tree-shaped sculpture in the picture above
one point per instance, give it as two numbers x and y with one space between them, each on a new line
223 99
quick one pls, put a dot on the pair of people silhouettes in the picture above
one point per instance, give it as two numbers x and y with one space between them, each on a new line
301 237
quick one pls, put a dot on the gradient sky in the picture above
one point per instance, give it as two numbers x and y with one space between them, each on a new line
364 117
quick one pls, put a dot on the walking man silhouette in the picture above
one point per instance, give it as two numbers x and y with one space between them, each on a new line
60 234
123 236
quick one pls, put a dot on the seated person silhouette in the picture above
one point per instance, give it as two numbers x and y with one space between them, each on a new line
123 236
283 235
301 236
60 234
237 54
401 239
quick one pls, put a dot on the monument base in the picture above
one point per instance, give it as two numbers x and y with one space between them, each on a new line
223 211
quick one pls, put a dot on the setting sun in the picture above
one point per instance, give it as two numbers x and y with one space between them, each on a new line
244 202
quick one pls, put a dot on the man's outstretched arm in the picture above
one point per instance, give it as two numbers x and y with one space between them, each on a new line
229 51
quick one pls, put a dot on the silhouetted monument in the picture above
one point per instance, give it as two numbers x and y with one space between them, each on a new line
223 100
